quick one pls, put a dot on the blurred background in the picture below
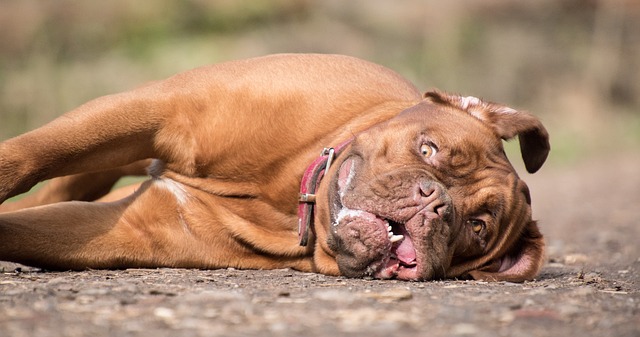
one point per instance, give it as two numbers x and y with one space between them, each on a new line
574 63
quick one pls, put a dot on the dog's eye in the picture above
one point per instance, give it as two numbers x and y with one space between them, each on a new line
428 150
477 225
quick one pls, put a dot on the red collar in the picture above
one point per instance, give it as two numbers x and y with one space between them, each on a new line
310 182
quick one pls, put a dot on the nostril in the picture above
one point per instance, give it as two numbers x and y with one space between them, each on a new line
435 198
439 208
426 189
443 210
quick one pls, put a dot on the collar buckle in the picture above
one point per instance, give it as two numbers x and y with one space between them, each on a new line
308 186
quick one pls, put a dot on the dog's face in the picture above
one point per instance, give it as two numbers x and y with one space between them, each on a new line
430 194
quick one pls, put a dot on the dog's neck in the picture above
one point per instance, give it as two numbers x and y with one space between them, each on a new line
310 182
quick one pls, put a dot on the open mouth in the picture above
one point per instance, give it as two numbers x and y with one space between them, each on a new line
385 245
401 260
396 226
388 233
402 249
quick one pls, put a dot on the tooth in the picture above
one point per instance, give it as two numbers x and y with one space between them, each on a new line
396 238
390 234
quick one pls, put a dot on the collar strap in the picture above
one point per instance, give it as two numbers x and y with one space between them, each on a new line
310 182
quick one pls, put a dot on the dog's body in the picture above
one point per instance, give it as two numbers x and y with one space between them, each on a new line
420 188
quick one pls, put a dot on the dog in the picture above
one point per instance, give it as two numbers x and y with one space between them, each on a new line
319 163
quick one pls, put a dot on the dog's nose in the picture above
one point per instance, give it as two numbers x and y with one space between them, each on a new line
435 198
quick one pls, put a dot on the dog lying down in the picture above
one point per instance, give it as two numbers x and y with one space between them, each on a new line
410 186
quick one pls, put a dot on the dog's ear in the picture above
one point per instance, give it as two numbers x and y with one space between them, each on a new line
507 123
521 263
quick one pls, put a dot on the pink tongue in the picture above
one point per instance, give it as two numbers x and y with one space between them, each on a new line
405 251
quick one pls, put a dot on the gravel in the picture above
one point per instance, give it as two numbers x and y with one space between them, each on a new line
588 287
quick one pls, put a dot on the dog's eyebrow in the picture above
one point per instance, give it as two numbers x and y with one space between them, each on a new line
486 200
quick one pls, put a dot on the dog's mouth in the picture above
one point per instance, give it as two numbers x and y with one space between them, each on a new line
374 246
402 259
379 238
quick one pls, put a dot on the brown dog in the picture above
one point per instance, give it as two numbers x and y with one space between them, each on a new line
416 186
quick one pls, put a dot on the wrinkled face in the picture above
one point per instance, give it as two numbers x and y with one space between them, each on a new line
429 194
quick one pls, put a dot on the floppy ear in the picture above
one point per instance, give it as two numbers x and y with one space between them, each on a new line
521 263
507 123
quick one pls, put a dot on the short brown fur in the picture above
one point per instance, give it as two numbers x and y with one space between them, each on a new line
226 146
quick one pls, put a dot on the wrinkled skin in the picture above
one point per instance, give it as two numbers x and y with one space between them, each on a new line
431 175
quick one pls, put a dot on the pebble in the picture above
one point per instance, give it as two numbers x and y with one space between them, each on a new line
464 329
354 320
539 292
592 278
507 317
213 296
576 259
336 295
391 295
583 291
164 313
568 310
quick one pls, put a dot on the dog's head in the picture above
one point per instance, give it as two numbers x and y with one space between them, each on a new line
430 194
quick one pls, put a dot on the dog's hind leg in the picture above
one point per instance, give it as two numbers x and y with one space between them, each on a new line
142 230
79 187
106 133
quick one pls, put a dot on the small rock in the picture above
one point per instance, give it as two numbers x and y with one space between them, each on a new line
391 295
334 295
539 292
507 317
213 296
576 259
591 278
464 329
583 291
96 292
164 313
568 309
539 314
355 320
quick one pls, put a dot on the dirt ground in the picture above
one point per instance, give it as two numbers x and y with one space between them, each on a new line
590 285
